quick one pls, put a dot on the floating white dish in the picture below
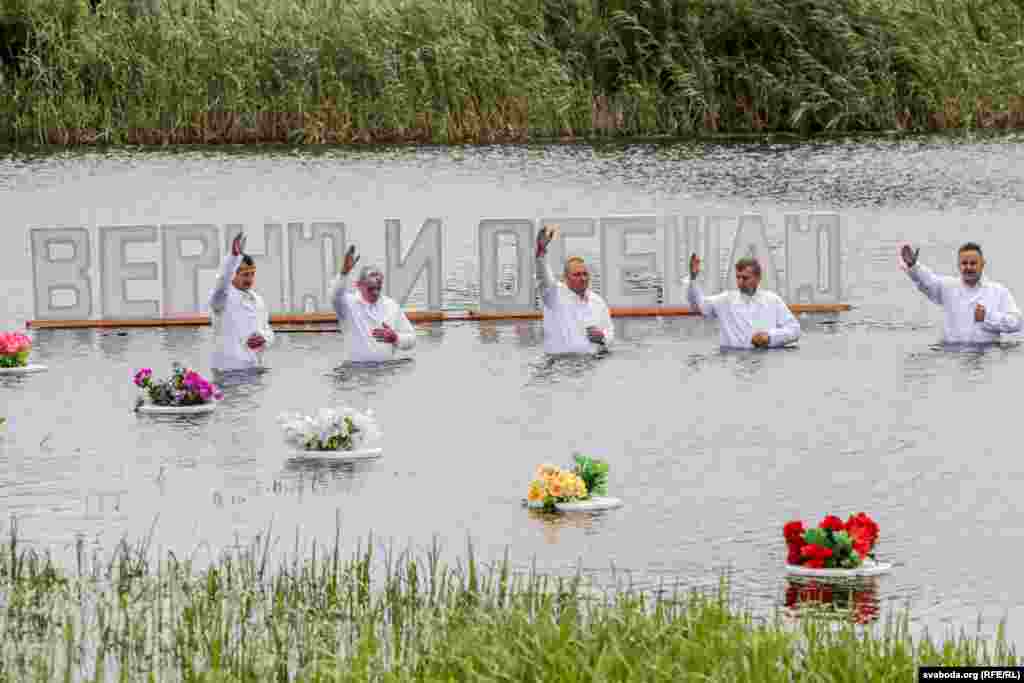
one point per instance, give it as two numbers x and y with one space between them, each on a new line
340 456
595 504
869 568
201 409
23 370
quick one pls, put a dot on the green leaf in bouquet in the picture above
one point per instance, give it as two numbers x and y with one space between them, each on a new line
594 474
843 540
817 536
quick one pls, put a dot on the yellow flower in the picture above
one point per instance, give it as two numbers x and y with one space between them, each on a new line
555 488
536 491
546 470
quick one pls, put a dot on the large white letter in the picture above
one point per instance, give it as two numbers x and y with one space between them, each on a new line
53 273
491 298
269 264
426 253
813 274
312 268
182 287
616 259
117 272
752 241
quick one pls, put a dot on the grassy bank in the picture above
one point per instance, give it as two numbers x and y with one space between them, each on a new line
414 619
451 71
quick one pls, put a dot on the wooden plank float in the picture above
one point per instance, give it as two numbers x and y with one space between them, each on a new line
297 319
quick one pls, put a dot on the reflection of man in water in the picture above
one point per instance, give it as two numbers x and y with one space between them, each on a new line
977 309
748 318
375 326
241 325
576 320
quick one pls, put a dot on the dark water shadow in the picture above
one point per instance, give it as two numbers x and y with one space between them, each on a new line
551 368
366 376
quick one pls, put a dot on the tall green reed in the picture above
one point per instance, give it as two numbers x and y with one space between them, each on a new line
503 70
381 615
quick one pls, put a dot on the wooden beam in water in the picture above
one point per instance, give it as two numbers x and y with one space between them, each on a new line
297 319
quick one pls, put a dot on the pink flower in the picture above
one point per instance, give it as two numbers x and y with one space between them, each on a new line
14 342
142 377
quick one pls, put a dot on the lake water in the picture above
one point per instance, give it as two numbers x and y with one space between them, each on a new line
712 452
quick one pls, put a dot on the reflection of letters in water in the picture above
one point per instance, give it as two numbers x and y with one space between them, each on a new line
126 282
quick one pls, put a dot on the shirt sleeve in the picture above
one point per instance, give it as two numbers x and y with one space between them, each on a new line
787 329
546 283
266 331
404 329
704 304
604 321
339 296
219 294
1007 319
928 282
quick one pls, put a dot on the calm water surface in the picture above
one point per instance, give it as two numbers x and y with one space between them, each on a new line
711 451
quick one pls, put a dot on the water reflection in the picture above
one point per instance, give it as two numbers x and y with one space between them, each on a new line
856 600
552 524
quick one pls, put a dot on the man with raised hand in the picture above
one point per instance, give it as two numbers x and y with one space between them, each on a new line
576 320
748 317
241 324
375 327
977 310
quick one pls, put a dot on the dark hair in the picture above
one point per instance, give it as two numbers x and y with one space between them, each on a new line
751 263
970 246
247 261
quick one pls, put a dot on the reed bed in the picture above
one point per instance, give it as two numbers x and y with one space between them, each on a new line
478 71
356 617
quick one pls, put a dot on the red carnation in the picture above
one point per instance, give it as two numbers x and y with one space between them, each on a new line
831 523
794 554
863 531
815 564
794 532
816 552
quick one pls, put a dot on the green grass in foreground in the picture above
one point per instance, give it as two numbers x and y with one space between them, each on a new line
454 71
331 618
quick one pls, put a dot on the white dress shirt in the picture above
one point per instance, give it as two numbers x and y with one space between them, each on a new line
741 316
357 319
958 301
567 315
236 315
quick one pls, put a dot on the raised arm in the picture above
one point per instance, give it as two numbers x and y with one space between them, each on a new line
787 327
1007 319
339 286
339 295
546 284
219 294
928 282
694 294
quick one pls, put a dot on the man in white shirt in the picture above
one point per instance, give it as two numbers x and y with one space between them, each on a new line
748 318
375 327
241 324
977 310
576 320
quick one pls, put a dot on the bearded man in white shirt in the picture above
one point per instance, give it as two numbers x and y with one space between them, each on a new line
375 327
576 320
748 317
241 324
977 310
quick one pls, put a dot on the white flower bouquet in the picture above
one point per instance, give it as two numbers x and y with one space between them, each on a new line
330 430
